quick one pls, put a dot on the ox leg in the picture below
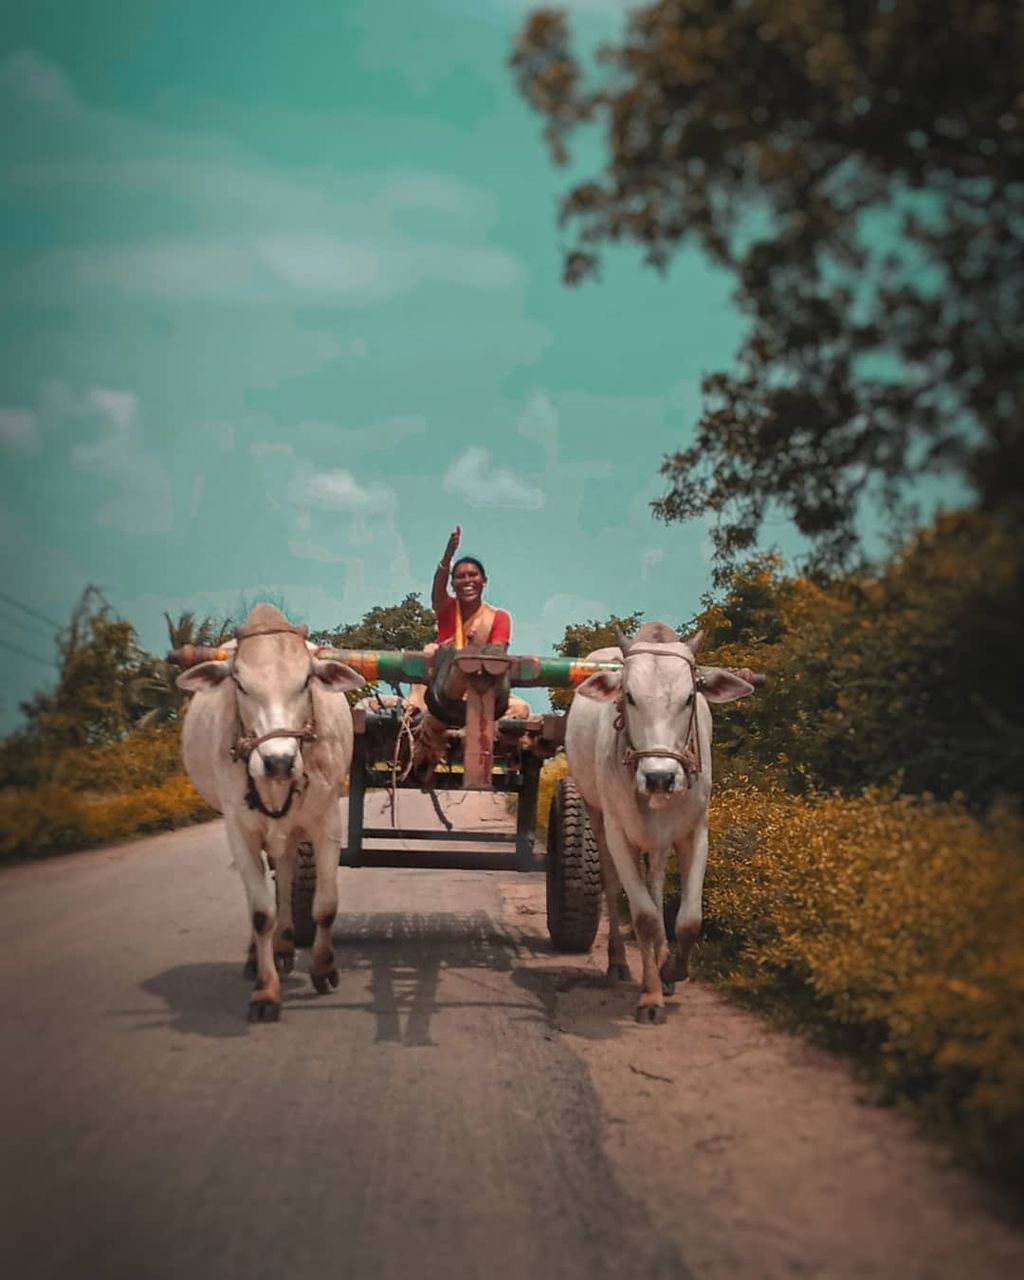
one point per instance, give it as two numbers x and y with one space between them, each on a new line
618 964
284 932
693 858
265 1001
322 970
656 888
651 1006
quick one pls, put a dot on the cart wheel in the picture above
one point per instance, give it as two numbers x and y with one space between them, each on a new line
303 888
573 872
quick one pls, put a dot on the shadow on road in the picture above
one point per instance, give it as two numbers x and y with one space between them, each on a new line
599 1009
404 956
204 999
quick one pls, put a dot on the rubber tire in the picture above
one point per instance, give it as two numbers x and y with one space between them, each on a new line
574 892
303 888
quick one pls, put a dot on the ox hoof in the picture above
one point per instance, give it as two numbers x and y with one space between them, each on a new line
322 982
650 1014
264 1010
668 987
284 961
619 972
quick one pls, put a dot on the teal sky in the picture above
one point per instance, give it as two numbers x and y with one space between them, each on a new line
282 305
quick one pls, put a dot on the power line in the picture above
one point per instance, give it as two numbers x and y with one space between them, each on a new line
25 654
31 612
33 628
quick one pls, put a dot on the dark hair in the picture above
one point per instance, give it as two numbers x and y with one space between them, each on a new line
470 560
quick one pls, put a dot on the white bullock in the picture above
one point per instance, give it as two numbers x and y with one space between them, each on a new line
268 742
638 743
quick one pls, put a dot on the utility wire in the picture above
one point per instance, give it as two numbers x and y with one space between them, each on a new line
31 612
25 654
33 628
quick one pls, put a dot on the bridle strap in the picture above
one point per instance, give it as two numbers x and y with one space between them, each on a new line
246 744
690 756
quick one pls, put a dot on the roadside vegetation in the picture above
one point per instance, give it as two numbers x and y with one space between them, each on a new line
858 172
98 759
866 878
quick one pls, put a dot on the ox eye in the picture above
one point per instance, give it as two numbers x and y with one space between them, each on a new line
241 687
630 699
689 699
305 683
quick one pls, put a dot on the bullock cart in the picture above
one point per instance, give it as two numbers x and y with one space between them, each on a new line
482 751
488 752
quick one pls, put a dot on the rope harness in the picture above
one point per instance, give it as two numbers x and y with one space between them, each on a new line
690 757
246 743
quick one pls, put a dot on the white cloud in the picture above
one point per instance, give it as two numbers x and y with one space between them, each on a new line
223 435
472 477
19 429
341 491
198 492
38 82
539 421
120 407
249 232
651 557
315 551
611 7
271 449
280 268
143 502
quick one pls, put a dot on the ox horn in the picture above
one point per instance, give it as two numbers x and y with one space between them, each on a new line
694 642
621 640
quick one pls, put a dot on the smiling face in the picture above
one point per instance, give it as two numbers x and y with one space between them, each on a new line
468 582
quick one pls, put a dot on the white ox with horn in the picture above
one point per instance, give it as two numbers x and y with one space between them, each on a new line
638 743
268 742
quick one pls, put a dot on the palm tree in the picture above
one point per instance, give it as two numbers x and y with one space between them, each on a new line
154 691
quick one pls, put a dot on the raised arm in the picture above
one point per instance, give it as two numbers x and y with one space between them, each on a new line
439 591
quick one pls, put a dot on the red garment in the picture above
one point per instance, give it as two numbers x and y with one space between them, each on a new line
501 628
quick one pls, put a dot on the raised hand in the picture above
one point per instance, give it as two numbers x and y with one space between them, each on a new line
453 544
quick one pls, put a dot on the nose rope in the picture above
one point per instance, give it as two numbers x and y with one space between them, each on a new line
690 756
246 743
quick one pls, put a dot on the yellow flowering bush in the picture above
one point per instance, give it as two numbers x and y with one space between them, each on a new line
885 925
551 772
890 924
95 795
37 821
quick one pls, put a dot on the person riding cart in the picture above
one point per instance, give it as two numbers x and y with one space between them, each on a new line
464 619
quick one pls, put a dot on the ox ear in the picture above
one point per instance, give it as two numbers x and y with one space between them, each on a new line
604 686
694 642
335 677
721 686
207 675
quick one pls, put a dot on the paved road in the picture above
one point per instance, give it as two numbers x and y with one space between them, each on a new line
465 1104
421 1120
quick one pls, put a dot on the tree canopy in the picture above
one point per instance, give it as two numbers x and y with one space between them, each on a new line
581 638
858 166
910 671
98 659
406 625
